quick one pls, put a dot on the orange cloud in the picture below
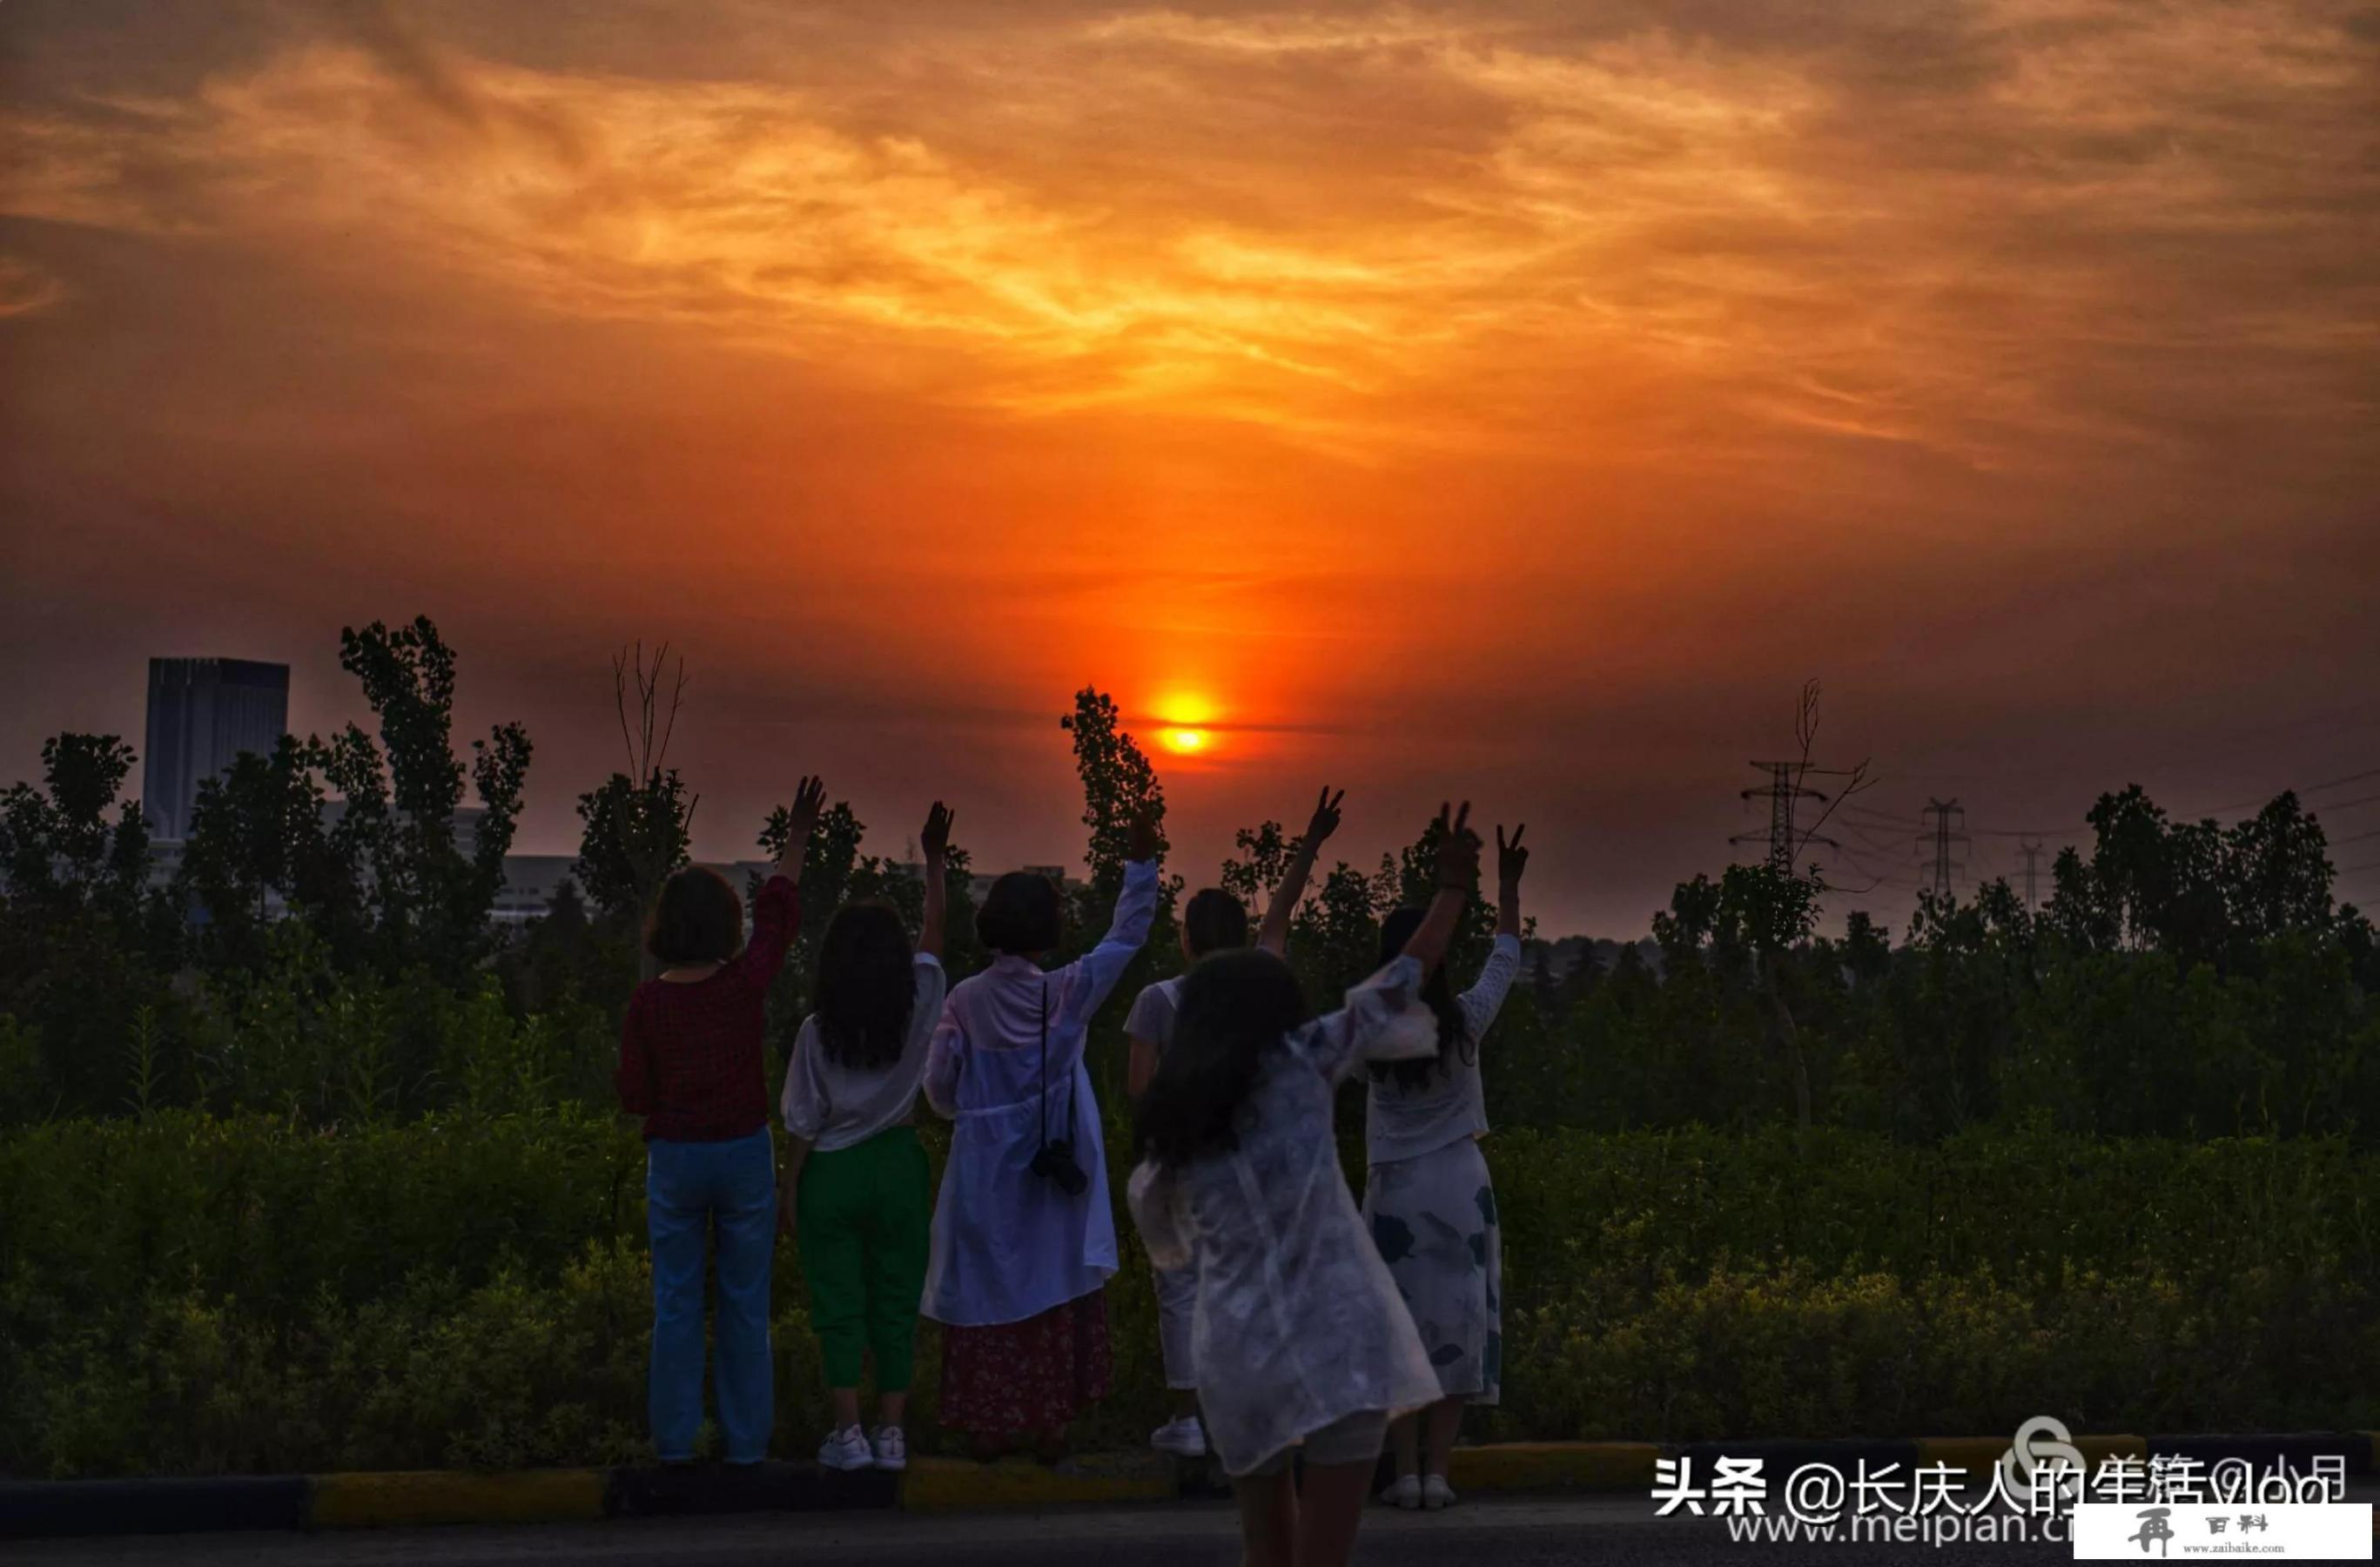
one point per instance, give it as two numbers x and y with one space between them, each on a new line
1671 211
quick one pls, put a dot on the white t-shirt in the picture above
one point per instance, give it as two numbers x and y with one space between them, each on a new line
1154 1011
831 1106
1401 1122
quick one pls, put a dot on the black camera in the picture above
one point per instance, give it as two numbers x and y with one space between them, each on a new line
1055 1161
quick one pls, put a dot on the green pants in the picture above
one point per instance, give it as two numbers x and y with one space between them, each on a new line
865 1215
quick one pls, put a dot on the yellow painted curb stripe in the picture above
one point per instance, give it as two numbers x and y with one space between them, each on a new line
433 1496
2098 1449
1977 1455
1549 1466
937 1485
1973 1454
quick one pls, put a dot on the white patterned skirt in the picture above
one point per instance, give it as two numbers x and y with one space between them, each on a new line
1434 1219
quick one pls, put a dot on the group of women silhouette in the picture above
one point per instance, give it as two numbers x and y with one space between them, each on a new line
1300 1335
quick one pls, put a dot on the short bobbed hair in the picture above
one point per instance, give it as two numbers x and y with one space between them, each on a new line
1214 921
697 918
1021 914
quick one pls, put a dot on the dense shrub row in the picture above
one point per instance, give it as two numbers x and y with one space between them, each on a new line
187 1295
363 1202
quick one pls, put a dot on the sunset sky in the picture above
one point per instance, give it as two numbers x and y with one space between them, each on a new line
1511 400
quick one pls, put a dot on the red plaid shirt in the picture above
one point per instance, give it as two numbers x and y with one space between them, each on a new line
691 1053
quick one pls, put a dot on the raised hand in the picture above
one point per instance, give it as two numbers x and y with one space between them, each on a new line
1325 820
1141 838
1457 874
1272 936
936 841
1458 849
809 798
1511 858
800 822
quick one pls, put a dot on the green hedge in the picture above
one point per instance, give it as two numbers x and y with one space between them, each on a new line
184 1295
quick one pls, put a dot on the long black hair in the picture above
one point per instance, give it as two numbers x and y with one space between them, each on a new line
865 991
1453 1034
1236 1006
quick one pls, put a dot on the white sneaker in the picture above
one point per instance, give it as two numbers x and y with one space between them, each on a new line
1183 1436
891 1448
1405 1493
847 1449
1436 1493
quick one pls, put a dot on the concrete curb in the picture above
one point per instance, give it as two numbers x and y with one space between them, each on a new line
152 1507
676 1491
1978 1454
1555 1466
36 1509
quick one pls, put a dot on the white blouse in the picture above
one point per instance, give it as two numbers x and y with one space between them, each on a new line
831 1106
1297 1322
1007 1244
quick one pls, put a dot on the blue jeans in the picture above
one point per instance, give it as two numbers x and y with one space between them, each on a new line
690 1189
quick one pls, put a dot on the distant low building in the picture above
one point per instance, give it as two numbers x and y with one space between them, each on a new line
980 885
1572 958
531 882
202 714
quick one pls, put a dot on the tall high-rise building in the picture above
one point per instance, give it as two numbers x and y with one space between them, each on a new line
203 713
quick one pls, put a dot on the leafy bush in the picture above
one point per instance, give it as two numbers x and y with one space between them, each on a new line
183 1294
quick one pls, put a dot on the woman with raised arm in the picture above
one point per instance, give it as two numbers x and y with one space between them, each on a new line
1428 1200
691 1064
1023 1238
1300 1344
1212 921
856 1188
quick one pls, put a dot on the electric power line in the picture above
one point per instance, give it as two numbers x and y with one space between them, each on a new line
1876 878
2030 850
1941 838
1784 793
2309 789
1881 818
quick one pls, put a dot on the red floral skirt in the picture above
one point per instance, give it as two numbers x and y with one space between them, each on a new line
1029 1378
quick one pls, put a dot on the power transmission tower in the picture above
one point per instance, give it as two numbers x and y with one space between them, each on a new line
1940 841
2031 849
1784 792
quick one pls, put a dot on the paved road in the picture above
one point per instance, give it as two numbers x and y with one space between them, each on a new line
1524 1532
1613 1529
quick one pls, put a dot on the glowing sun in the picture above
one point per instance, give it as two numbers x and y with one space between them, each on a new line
1185 741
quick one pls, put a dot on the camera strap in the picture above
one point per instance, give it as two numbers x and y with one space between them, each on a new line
1045 1075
